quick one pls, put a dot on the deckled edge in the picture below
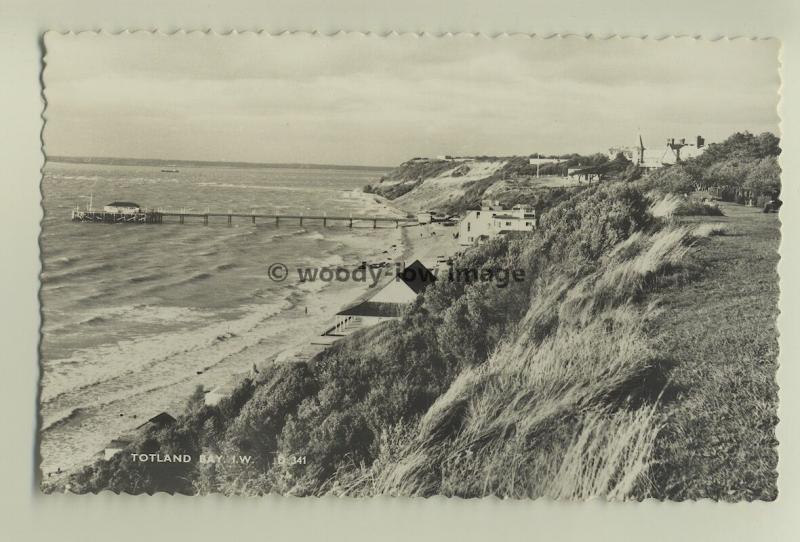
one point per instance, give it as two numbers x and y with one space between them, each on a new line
420 34
38 473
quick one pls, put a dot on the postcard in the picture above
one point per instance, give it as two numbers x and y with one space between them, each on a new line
410 265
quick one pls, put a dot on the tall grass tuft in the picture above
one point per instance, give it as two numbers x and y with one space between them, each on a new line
673 205
607 457
665 206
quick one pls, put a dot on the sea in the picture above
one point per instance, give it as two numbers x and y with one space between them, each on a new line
136 316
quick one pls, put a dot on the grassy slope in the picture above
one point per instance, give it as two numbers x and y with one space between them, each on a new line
720 333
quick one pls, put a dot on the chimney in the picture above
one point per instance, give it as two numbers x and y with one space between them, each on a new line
700 142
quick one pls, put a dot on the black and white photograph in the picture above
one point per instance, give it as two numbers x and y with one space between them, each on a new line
362 265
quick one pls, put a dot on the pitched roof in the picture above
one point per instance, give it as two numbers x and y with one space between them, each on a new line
162 419
374 308
417 277
119 442
123 204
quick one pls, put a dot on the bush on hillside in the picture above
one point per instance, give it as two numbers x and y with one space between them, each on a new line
577 232
764 176
677 179
742 168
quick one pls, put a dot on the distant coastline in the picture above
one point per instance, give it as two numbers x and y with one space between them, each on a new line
157 162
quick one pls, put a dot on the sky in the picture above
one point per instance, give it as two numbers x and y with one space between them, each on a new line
371 100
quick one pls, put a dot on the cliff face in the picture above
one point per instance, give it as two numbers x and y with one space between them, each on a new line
447 188
437 184
453 186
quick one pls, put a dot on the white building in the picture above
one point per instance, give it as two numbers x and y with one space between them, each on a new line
667 155
657 158
542 161
492 220
123 207
424 217
391 300
451 158
583 173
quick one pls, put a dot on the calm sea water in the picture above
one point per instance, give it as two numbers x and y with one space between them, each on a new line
135 316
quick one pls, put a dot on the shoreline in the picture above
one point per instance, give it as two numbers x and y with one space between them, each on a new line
262 346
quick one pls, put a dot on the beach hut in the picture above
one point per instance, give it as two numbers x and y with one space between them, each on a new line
158 421
119 444
217 394
392 299
116 446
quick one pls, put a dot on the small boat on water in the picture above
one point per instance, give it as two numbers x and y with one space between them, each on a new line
169 170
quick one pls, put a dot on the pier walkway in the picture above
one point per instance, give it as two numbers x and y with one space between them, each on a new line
181 217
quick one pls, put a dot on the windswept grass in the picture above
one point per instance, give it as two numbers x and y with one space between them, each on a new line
673 205
565 408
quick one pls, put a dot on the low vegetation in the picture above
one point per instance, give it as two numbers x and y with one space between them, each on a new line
743 169
412 174
674 205
719 334
408 176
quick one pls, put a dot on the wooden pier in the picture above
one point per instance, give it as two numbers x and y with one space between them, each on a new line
180 217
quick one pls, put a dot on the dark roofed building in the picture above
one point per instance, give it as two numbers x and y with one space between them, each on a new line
390 301
159 420
116 446
374 309
417 277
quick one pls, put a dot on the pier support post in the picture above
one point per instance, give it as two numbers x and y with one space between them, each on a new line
324 222
301 220
181 219
396 224
205 220
277 221
254 220
374 224
229 220
351 222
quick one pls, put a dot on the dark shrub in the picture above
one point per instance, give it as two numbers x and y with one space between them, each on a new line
255 430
